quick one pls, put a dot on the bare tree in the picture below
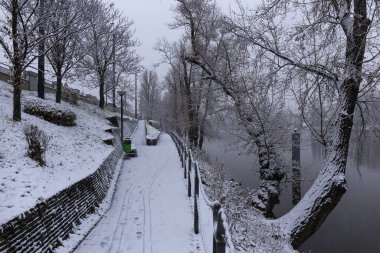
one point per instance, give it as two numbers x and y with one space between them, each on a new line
291 51
108 39
312 47
41 50
186 82
150 94
228 62
66 45
20 40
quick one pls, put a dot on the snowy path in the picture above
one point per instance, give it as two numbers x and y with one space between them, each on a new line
150 211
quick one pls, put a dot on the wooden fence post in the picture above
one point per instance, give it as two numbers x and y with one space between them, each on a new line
219 236
185 152
196 215
188 183
196 180
215 210
180 154
190 161
184 167
183 158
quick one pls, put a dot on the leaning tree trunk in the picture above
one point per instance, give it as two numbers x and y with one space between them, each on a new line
271 174
305 218
271 171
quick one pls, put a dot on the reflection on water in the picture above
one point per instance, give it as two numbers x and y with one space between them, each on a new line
354 225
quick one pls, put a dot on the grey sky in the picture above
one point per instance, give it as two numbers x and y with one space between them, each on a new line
151 18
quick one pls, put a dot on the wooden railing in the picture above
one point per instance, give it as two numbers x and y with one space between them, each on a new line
222 241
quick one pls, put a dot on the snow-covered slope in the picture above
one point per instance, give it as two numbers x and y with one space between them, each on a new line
73 153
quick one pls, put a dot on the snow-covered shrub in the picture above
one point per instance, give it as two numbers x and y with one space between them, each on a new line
154 124
50 111
71 96
38 142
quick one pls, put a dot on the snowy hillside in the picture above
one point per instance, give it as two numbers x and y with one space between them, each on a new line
72 154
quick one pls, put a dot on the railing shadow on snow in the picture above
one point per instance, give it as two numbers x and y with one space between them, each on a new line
222 241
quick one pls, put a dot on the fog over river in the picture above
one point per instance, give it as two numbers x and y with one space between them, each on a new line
354 225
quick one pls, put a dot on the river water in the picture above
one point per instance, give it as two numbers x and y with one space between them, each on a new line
354 225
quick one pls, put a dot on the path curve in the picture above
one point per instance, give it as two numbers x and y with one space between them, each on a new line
150 212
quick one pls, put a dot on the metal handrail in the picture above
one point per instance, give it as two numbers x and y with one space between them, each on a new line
222 240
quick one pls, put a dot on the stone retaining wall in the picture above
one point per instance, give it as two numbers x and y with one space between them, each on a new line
41 228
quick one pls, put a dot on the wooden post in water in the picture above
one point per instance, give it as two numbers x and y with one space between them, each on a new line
296 170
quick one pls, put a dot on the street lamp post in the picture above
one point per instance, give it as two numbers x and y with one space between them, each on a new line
113 72
121 94
136 95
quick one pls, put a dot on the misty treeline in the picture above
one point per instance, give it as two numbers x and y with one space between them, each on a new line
316 61
90 40
150 95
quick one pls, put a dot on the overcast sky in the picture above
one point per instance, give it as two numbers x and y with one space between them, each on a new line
151 18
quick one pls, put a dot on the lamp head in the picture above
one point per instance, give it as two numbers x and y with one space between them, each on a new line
121 92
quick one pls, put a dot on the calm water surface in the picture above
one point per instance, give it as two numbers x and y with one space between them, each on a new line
354 225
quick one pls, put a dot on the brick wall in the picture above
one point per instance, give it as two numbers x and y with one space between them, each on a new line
40 228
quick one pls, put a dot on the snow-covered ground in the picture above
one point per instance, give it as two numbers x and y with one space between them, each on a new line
73 153
150 211
250 230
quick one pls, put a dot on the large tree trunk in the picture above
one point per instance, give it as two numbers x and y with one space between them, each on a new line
41 52
101 92
17 92
271 174
58 94
193 130
203 120
175 110
17 67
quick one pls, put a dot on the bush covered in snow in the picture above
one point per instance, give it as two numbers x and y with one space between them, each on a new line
50 111
38 142
71 96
